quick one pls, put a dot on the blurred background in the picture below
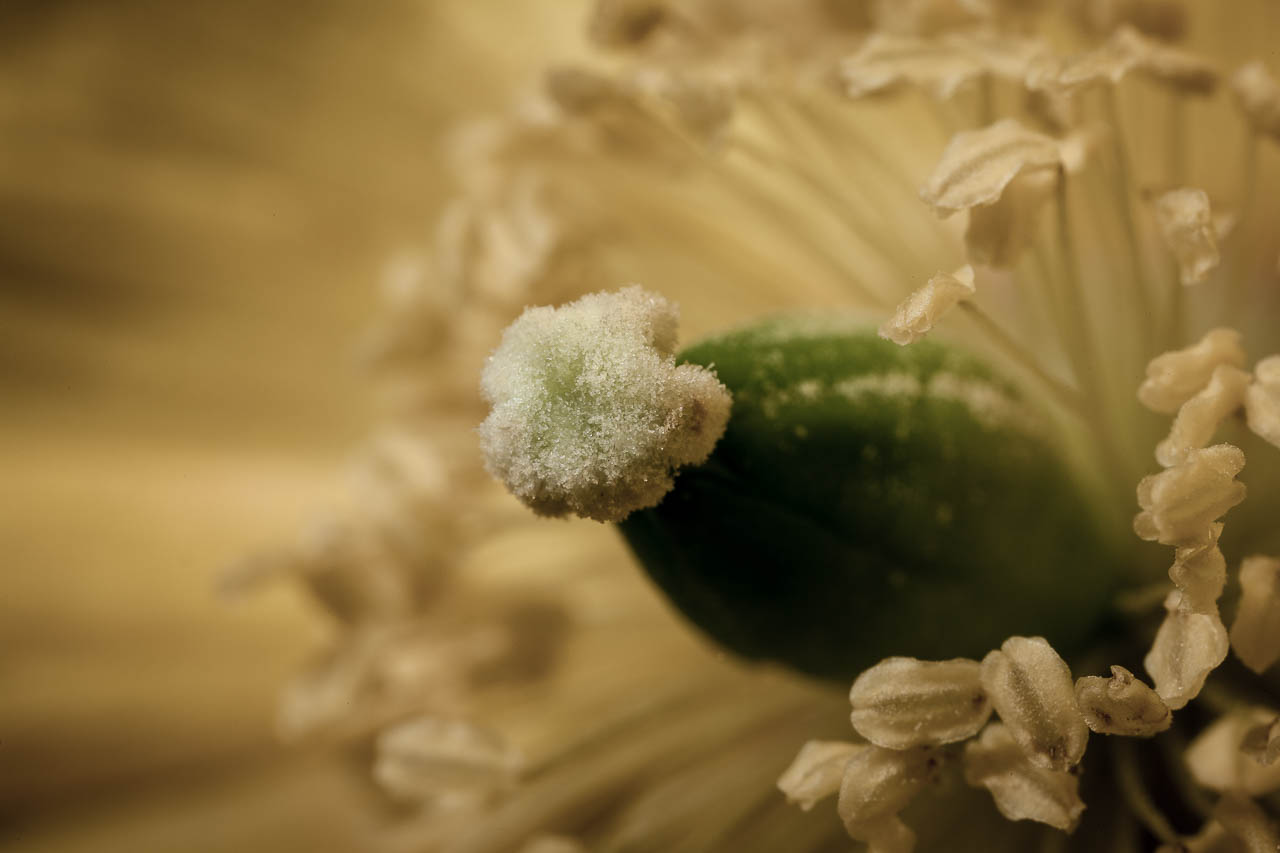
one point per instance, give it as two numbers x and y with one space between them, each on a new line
197 201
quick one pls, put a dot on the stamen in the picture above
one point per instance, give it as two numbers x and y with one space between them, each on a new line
1199 417
427 757
1258 95
1031 689
1022 790
1217 762
1121 705
902 702
918 314
878 784
1255 634
1188 646
1176 137
940 66
1199 571
1181 503
1186 223
860 225
1248 823
1124 202
978 165
817 771
1069 397
1126 52
1262 400
1175 377
1262 742
1080 340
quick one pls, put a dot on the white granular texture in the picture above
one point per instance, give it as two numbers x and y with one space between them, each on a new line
590 413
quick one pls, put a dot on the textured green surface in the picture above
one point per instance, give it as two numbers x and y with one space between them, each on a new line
856 508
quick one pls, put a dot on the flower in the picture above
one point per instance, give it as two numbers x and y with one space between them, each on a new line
741 157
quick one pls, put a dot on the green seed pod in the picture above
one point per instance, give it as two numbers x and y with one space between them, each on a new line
870 500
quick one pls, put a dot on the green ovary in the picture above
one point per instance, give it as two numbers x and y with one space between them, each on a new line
869 500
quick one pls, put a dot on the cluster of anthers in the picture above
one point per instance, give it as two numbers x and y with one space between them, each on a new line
914 714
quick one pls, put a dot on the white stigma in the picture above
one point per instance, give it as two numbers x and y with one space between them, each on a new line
591 415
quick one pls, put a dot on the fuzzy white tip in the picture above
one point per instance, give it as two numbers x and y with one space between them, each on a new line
590 413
